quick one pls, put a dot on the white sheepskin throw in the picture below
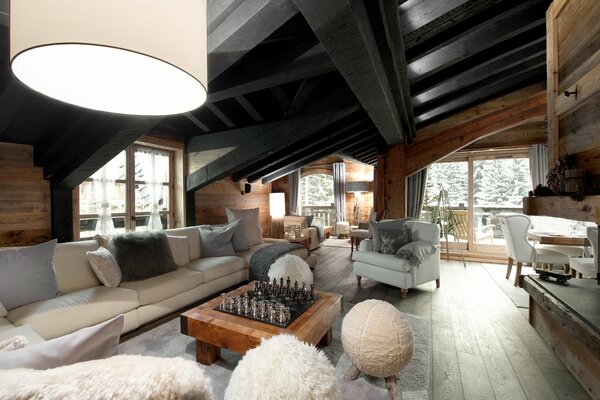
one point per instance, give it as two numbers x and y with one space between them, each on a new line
294 267
377 338
283 368
119 377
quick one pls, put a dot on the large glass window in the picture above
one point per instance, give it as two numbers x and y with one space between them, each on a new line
131 192
316 197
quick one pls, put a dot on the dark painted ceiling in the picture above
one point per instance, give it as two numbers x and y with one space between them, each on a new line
291 81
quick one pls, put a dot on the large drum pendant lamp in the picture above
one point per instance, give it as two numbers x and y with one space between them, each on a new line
141 57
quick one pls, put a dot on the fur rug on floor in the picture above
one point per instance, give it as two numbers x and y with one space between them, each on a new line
413 382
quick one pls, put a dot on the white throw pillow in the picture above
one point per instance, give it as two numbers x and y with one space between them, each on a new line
95 342
13 343
180 249
250 221
105 267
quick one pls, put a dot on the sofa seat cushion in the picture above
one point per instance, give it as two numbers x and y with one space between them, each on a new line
246 255
75 310
217 267
159 288
388 261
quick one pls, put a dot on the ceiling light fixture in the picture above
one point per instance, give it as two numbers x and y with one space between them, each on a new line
141 57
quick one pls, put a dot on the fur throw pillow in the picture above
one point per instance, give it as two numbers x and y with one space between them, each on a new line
142 255
119 377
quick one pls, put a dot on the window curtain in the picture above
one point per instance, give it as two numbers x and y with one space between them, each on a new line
294 190
538 164
153 169
415 193
103 184
339 190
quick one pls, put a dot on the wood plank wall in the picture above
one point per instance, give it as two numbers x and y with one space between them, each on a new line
24 198
574 62
212 200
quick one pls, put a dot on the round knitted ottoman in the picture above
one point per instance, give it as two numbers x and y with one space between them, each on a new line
378 340
283 368
294 267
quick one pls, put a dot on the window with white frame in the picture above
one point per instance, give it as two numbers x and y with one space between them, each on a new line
133 191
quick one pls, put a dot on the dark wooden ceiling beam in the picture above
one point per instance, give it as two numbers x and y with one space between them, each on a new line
487 54
190 116
12 99
250 109
288 156
365 44
302 95
281 98
458 23
271 137
219 114
417 13
100 150
313 157
245 26
498 77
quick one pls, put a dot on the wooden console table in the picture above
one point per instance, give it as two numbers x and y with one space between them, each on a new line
568 318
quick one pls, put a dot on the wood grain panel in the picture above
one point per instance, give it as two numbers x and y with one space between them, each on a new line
212 200
24 198
564 207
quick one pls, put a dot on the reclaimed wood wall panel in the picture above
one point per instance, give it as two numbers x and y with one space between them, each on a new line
212 200
24 198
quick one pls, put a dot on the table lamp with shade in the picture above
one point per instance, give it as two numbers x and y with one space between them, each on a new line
277 211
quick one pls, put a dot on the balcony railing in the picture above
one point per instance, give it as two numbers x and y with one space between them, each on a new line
324 215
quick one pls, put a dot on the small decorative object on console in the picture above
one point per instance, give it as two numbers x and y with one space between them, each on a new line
545 274
276 303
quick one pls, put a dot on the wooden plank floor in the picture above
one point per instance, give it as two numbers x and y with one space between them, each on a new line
482 344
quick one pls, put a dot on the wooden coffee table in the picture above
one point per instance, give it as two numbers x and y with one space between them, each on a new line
214 330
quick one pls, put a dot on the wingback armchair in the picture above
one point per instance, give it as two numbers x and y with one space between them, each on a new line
402 273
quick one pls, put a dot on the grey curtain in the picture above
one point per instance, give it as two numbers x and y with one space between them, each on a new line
339 190
415 193
538 164
294 190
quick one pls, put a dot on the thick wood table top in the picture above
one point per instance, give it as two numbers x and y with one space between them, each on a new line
549 238
240 334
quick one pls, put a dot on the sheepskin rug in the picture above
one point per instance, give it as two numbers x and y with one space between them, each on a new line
294 267
120 377
283 368
377 338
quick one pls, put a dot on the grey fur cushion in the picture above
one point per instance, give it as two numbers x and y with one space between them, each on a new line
142 255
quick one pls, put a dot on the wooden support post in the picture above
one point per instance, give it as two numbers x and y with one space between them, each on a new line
61 201
394 182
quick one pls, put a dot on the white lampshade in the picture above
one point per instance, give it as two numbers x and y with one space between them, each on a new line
142 57
277 205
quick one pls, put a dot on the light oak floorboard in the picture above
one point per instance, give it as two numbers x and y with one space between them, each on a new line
482 344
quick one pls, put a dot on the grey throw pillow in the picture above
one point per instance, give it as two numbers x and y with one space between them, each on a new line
250 223
27 275
95 342
142 255
216 242
417 251
395 224
392 240
239 241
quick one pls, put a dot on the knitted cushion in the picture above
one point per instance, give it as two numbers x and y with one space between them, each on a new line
294 267
283 368
377 338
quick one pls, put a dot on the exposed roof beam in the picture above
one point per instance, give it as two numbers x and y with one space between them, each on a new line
294 154
314 62
375 70
247 24
4 13
268 138
12 99
219 114
281 98
197 122
313 157
303 94
250 109
100 150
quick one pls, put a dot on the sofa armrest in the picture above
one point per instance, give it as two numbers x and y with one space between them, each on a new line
274 240
313 234
366 245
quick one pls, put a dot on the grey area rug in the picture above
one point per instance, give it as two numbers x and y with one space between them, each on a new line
516 294
335 242
413 382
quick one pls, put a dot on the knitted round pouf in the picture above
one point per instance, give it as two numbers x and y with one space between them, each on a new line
378 340
294 267
283 368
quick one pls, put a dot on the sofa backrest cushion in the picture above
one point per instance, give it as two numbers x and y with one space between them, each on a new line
193 235
73 270
424 231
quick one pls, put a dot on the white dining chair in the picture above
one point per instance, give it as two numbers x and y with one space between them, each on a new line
586 266
515 227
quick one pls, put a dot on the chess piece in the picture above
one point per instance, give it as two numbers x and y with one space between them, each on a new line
223 305
312 292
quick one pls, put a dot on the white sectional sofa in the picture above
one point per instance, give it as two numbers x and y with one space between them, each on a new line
84 301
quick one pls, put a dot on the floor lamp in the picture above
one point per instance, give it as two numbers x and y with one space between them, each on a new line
277 211
357 188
